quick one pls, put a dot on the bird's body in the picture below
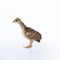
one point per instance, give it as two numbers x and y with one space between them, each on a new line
32 34
29 33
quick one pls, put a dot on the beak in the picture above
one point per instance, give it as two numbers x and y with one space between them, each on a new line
13 21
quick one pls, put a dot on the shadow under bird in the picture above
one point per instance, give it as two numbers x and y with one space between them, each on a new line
29 33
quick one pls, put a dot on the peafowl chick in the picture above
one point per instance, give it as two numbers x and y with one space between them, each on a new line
29 33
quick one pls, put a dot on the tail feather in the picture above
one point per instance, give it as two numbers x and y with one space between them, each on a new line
38 40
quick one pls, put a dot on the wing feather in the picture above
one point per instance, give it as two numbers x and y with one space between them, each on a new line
32 34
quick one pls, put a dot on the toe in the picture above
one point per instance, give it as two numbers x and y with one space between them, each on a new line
27 46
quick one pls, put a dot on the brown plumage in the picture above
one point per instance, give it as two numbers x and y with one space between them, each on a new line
29 33
32 34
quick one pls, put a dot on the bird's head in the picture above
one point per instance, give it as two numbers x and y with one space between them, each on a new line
17 20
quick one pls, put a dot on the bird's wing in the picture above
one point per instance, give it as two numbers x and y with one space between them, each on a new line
32 34
29 32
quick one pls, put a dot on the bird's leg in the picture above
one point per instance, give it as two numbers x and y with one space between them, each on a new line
30 44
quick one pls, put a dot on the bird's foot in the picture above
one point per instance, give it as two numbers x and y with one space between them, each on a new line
28 46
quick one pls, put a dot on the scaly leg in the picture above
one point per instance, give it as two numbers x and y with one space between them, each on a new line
30 44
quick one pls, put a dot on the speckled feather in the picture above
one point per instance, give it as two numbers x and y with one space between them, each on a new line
32 34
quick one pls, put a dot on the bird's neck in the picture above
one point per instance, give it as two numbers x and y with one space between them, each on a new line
23 26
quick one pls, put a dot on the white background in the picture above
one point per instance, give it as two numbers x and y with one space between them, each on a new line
41 15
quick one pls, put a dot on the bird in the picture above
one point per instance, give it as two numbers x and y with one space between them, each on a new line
29 33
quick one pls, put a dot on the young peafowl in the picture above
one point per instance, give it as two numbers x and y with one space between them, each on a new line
29 33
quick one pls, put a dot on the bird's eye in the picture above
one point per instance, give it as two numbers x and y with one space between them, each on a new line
16 20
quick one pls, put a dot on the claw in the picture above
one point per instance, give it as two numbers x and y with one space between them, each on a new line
28 46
